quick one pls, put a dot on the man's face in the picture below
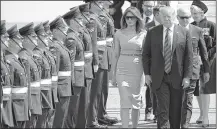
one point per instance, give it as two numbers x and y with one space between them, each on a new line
183 18
5 39
147 7
196 15
167 18
157 17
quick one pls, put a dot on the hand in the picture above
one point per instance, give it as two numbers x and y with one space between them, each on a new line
136 60
111 11
95 68
148 80
185 83
206 77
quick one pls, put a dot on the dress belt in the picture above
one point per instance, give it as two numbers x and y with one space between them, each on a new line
131 54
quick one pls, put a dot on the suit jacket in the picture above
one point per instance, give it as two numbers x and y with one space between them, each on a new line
153 60
150 24
199 51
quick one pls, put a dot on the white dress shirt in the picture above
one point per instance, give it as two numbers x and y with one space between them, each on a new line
170 35
150 18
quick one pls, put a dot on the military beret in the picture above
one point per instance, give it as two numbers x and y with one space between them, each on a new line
58 22
200 4
84 7
74 12
3 27
39 29
46 25
27 29
13 31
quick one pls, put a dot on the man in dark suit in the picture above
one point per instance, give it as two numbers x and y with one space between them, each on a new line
167 62
151 102
200 56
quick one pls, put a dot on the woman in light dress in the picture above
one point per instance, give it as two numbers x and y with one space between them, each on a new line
128 43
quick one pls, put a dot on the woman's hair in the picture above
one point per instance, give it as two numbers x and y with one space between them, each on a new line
137 14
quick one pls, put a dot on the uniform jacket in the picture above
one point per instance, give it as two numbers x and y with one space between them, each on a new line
6 111
199 51
64 67
209 32
153 59
20 92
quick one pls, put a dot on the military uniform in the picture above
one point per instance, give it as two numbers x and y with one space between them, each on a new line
64 68
43 44
54 76
83 70
104 44
6 85
31 43
32 72
20 90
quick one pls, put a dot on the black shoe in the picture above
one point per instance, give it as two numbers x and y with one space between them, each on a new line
149 117
111 120
98 126
103 122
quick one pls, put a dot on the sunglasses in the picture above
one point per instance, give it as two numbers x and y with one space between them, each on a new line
130 17
184 17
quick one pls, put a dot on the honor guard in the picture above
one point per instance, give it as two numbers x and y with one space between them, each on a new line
64 68
20 83
54 73
33 74
105 47
43 44
6 85
31 43
78 104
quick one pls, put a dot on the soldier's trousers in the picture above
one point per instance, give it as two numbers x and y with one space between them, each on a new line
42 119
95 94
102 99
50 118
83 105
21 124
32 121
61 112
187 104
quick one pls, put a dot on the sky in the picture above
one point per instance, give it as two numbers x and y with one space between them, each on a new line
29 11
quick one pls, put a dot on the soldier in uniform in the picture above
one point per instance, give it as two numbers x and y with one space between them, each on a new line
33 73
64 68
83 54
6 85
100 8
198 9
54 73
43 43
31 44
19 68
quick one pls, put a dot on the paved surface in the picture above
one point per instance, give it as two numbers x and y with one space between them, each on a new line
113 109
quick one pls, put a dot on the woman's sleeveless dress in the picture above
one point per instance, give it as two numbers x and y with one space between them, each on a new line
129 73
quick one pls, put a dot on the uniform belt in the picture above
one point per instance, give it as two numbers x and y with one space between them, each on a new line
54 78
88 54
64 73
35 84
79 63
45 81
109 39
131 54
102 42
20 90
6 90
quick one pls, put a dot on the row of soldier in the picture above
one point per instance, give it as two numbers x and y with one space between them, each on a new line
55 75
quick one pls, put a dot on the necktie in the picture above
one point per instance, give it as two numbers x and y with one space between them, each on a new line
167 52
147 18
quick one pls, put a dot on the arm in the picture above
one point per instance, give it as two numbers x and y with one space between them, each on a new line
117 48
146 53
188 57
203 52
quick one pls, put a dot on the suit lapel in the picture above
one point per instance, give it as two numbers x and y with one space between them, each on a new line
175 36
161 38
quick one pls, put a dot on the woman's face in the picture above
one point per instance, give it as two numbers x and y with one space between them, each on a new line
130 19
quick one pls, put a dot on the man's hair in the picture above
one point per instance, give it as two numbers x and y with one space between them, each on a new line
169 9
156 10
